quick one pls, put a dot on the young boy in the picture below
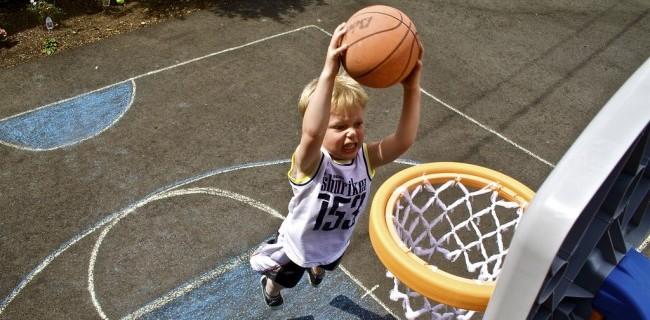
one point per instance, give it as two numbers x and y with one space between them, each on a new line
330 175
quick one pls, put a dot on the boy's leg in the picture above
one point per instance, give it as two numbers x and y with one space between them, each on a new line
272 288
273 282
271 300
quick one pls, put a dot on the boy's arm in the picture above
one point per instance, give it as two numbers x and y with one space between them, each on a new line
392 146
316 117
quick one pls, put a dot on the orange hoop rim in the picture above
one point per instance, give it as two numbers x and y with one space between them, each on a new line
411 270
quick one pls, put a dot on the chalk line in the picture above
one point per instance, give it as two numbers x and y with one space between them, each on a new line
485 127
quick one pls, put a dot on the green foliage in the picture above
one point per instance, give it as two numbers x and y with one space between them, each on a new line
40 9
50 45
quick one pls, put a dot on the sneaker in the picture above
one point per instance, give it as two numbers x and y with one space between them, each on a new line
272 302
315 278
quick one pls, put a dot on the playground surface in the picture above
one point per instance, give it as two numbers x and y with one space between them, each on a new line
140 171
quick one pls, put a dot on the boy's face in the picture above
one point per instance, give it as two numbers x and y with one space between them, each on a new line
344 134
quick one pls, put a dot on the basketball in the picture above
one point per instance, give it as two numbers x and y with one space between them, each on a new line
383 46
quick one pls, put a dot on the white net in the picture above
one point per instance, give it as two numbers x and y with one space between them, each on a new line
462 230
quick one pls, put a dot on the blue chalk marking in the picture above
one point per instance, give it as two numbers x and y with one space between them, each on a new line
69 121
236 294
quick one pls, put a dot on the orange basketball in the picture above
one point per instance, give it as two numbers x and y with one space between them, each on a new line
383 46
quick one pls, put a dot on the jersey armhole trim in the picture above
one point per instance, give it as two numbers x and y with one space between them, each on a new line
306 179
369 169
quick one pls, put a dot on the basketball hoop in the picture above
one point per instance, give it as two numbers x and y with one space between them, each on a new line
451 212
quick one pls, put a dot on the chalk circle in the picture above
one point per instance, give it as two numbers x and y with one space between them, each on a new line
164 195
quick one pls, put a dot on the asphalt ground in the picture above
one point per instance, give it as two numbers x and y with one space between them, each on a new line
507 85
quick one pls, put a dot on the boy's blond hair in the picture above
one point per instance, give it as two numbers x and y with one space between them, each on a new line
346 94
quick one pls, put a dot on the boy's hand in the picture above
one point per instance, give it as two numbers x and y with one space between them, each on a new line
413 79
335 49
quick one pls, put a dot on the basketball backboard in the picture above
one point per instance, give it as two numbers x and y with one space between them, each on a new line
592 208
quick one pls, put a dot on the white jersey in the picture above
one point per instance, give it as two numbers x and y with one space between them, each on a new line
324 210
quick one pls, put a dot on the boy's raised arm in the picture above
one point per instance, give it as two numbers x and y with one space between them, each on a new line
393 145
316 117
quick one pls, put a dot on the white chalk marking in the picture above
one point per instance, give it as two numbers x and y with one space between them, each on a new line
226 50
185 289
172 193
370 291
91 267
476 122
643 245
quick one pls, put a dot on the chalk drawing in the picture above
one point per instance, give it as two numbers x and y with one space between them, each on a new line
488 129
69 121
110 218
13 133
